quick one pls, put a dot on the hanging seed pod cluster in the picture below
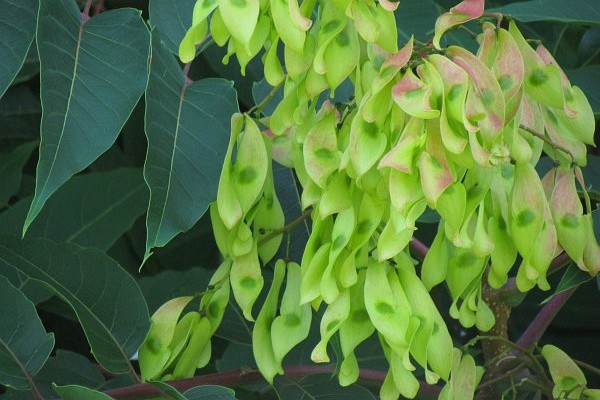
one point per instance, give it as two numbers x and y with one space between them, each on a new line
428 127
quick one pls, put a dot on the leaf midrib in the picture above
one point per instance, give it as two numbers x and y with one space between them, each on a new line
71 89
58 284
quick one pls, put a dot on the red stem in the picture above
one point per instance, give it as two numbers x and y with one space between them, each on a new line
241 377
86 9
542 320
418 248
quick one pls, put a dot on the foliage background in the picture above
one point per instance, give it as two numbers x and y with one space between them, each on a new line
104 207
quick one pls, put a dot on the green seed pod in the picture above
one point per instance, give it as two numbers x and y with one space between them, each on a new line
355 329
189 359
240 18
183 331
262 343
542 82
320 149
293 324
215 302
389 317
228 203
246 281
155 352
251 165
333 317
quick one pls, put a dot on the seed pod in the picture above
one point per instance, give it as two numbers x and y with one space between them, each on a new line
154 353
320 149
334 316
240 18
189 359
228 203
262 343
246 281
251 165
542 82
197 32
355 329
567 212
215 302
293 324
465 11
388 316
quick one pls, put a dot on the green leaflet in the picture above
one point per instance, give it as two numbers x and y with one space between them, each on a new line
187 130
107 301
17 29
95 48
24 343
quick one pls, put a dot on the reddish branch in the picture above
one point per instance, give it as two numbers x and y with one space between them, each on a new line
542 320
418 248
243 377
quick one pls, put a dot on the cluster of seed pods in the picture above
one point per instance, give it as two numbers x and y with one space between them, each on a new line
428 127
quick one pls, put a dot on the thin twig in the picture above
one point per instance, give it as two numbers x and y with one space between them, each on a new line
276 232
86 10
587 366
547 140
258 107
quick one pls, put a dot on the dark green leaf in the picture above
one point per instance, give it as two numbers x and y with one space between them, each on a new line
92 210
165 285
570 11
260 90
11 165
416 17
187 125
588 79
168 390
289 197
92 75
24 343
236 356
589 46
17 28
63 369
172 18
107 301
234 326
20 114
572 277
75 392
321 386
209 392
31 66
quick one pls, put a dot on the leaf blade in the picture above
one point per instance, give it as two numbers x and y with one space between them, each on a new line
89 88
92 210
17 28
569 11
183 164
113 314
24 344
